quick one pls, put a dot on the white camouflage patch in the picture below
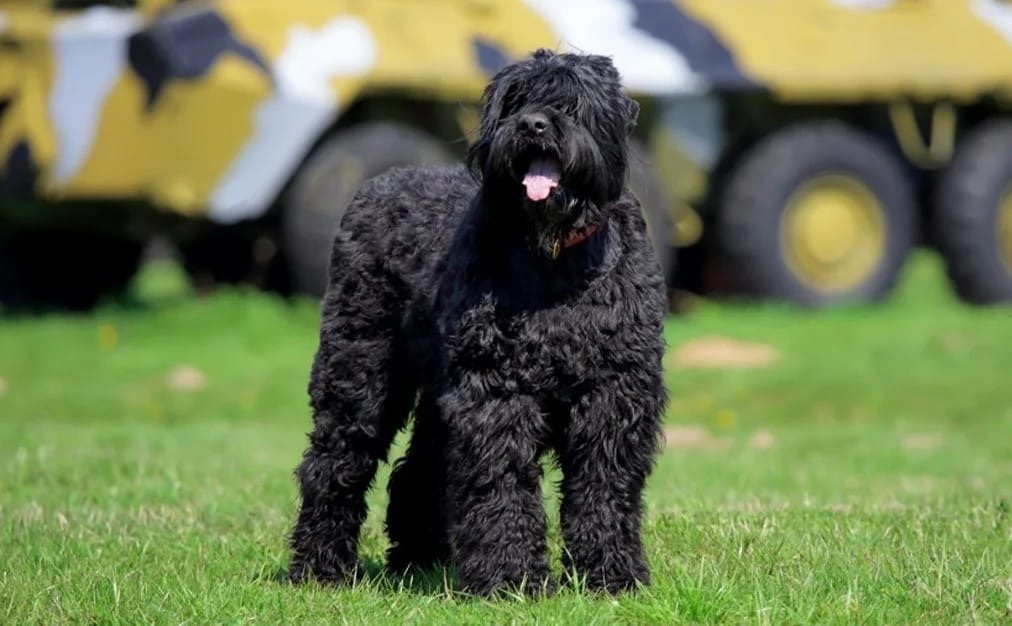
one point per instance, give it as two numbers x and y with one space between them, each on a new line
647 64
302 106
89 54
996 14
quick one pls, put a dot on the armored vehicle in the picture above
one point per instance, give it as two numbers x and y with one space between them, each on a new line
791 149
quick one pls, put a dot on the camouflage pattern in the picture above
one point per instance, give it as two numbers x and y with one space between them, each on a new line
208 108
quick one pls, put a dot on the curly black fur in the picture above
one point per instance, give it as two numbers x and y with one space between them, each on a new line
445 300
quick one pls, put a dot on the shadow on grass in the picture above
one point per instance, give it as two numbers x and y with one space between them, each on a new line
434 582
373 575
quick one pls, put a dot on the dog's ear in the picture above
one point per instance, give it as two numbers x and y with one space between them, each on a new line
493 100
632 114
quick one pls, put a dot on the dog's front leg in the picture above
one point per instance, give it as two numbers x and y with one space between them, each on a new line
606 456
361 390
497 525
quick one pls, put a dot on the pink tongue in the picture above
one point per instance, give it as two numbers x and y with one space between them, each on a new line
541 178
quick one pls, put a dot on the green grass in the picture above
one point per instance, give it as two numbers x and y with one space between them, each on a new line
882 494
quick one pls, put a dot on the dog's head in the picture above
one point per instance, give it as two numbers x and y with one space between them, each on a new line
553 137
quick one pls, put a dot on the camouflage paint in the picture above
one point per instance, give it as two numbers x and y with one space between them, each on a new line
289 122
89 56
208 108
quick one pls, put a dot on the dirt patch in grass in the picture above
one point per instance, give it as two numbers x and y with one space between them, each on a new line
691 437
694 437
716 352
955 343
186 378
921 441
762 439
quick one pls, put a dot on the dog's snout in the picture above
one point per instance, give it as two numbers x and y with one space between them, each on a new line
534 123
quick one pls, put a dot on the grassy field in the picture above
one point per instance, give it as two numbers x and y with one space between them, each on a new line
860 472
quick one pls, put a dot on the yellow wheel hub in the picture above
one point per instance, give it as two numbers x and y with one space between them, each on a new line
1005 230
833 233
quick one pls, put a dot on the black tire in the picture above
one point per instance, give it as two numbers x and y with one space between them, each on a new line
761 188
643 182
324 186
64 269
967 215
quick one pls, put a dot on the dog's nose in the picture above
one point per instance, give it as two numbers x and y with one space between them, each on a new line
534 123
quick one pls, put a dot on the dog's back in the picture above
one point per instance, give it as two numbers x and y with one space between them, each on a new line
408 213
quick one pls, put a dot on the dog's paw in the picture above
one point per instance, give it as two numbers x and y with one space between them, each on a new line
609 580
324 574
538 586
618 582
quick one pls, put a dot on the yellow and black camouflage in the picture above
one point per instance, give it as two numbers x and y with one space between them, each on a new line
209 107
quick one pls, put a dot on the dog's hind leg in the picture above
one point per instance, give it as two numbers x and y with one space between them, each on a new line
361 391
416 521
607 454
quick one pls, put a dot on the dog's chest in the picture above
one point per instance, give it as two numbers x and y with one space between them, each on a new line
536 351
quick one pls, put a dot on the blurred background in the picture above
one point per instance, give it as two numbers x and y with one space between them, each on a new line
792 150
828 184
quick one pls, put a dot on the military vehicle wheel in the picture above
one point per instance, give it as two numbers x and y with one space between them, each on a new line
972 220
324 186
643 182
69 270
817 214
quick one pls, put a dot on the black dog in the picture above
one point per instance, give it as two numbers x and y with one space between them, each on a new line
516 316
